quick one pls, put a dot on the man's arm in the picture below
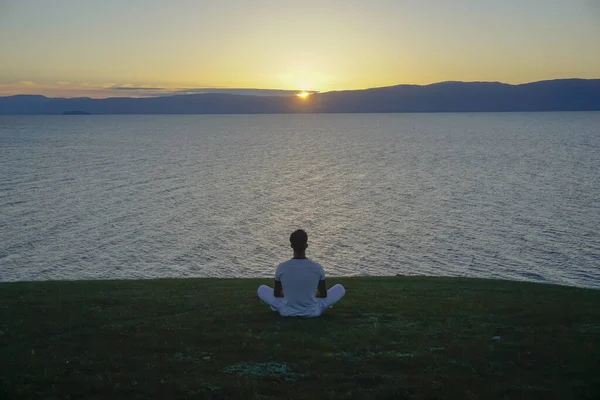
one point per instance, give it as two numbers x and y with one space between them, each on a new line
322 289
278 291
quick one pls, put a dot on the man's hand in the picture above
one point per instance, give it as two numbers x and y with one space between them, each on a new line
322 289
278 290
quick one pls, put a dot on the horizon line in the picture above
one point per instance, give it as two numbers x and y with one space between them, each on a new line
156 92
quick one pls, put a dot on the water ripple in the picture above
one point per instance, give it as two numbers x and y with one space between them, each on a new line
509 196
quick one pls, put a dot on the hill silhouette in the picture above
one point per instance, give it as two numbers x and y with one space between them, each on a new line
553 95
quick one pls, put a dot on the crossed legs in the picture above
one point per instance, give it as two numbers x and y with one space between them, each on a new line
265 293
334 294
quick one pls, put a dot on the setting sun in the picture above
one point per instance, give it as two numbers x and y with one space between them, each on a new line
303 95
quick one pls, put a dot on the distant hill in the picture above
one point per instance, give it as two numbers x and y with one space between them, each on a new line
554 95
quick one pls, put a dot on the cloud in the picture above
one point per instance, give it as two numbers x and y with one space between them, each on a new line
134 88
241 91
146 91
104 90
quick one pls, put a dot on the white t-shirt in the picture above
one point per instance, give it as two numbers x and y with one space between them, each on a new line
299 278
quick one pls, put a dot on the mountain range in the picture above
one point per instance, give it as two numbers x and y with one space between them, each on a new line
552 95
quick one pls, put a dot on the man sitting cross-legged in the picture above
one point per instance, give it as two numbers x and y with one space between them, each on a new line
295 283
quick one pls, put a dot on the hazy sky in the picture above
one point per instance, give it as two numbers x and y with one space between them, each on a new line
87 47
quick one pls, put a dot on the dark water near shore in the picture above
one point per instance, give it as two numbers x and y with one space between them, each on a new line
512 196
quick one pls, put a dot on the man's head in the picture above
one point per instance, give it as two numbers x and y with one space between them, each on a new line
299 240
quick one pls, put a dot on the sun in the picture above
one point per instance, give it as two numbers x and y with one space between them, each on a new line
303 95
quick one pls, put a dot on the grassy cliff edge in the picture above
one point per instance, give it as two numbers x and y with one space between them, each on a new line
390 337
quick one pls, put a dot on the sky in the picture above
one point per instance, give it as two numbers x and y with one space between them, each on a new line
105 48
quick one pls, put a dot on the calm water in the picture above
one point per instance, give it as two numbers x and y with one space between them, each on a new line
514 196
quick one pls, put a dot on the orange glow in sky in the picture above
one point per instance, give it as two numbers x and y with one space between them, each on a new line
79 48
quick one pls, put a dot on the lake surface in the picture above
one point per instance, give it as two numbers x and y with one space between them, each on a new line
511 196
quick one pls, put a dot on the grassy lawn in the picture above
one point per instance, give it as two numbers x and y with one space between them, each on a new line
389 338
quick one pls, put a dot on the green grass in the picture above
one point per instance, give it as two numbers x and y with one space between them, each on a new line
389 338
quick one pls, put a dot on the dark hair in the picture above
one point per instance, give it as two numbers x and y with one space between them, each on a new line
298 239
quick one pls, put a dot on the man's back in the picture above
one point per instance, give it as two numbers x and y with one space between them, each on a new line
299 278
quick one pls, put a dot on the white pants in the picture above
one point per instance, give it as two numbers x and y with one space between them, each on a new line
334 294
